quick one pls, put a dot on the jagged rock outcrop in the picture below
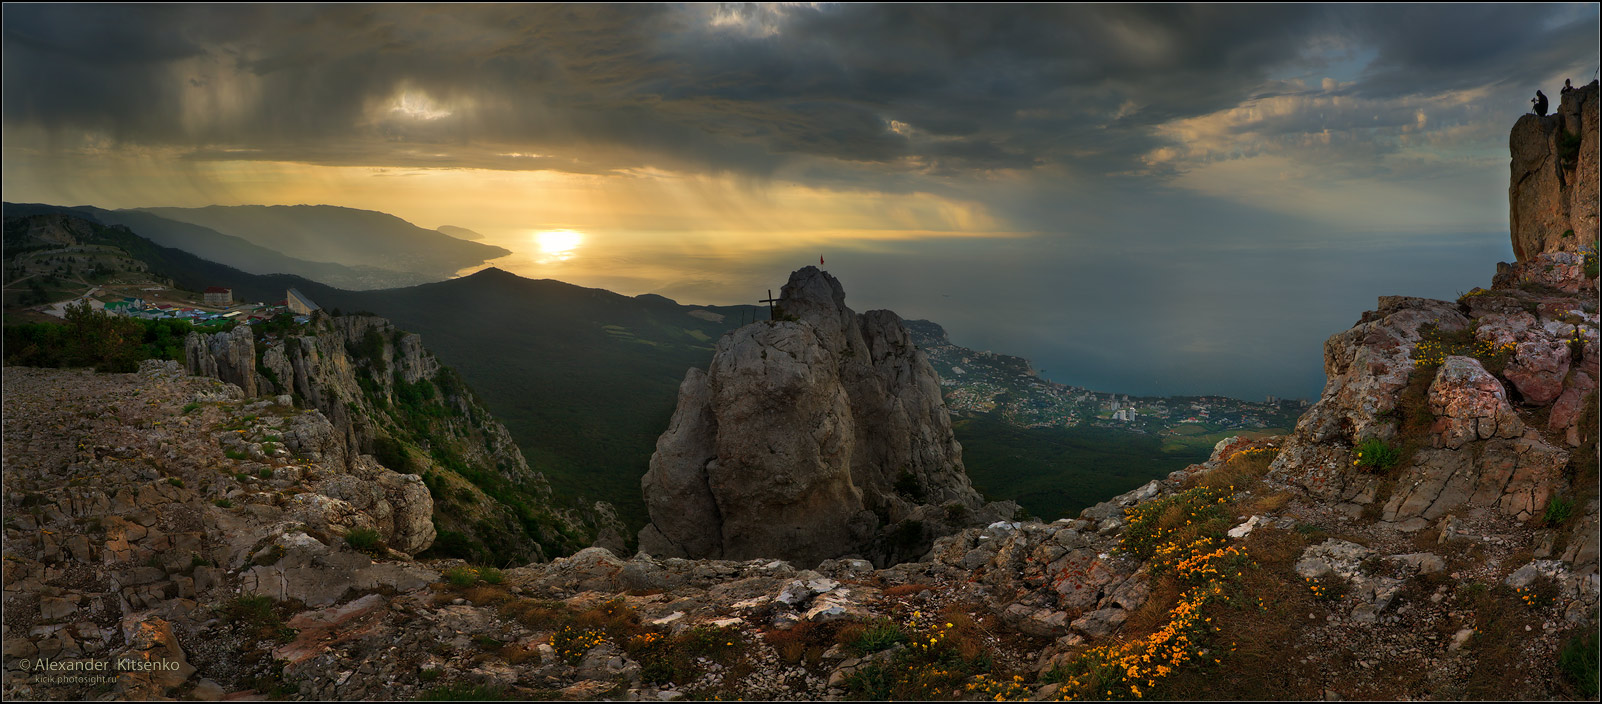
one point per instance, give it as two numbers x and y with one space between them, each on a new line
818 434
328 366
1470 443
387 397
229 356
135 499
1552 198
141 526
1485 400
1367 366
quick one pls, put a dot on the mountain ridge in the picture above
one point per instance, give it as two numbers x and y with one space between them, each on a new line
348 236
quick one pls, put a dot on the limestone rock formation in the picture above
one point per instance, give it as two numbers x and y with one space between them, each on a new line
131 498
1552 198
1486 400
819 434
380 389
1468 441
1470 404
229 356
140 526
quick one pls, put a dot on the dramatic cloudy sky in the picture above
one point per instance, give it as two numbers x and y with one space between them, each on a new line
1151 199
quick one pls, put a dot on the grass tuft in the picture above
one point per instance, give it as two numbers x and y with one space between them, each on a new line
366 540
1376 455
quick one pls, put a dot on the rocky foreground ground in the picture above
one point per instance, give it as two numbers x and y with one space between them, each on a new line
235 547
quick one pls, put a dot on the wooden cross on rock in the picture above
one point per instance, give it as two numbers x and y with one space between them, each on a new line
770 300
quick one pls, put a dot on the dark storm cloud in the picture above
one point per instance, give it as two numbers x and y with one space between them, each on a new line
1435 47
870 89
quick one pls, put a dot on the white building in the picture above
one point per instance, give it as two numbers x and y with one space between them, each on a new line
298 303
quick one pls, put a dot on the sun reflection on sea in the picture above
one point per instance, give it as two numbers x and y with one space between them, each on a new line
558 245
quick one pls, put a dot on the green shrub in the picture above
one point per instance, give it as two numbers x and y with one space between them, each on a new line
910 486
955 511
90 338
1435 345
429 674
881 634
461 576
175 481
222 503
1376 455
236 454
1558 510
490 575
365 540
390 453
1578 661
259 616
190 407
874 683
265 473
1568 148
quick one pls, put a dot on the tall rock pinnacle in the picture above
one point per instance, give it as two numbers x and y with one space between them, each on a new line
1552 196
816 435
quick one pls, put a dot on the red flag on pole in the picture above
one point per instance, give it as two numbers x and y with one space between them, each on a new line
820 260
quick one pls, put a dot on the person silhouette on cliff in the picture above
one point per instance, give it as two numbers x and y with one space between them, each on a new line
1568 85
1540 103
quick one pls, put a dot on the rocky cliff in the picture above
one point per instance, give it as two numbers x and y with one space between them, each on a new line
137 502
387 396
1553 197
1430 530
158 518
818 434
1483 409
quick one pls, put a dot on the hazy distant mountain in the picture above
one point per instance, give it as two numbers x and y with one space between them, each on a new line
460 233
215 246
341 235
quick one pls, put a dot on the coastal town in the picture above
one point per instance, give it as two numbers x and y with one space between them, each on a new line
1009 387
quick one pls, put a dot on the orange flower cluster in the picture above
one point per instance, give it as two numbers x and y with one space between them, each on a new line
1530 598
1013 690
1180 533
1147 530
572 643
1123 670
1322 591
644 640
1217 563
